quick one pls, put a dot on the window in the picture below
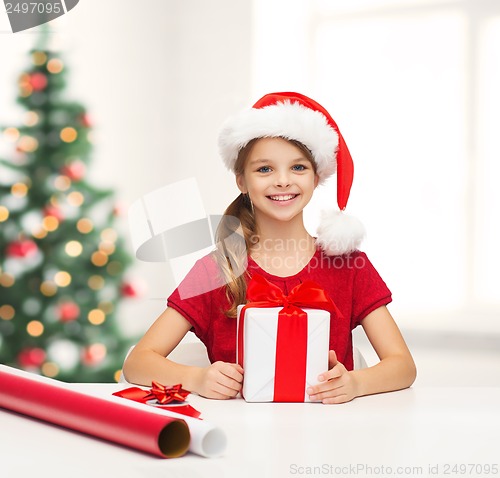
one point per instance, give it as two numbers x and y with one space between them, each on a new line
412 85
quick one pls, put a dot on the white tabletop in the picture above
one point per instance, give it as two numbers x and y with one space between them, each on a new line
418 429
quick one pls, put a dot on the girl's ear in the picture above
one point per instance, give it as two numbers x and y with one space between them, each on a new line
240 182
316 181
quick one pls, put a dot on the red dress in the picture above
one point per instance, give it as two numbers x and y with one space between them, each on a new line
350 280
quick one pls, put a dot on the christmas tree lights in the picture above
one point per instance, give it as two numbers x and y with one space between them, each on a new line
62 261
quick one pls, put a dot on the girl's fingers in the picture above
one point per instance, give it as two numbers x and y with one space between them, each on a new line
335 372
232 371
226 392
323 388
227 388
237 367
229 378
332 359
328 394
218 396
220 389
229 384
329 382
338 399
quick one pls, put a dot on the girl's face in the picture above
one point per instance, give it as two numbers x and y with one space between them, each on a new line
279 179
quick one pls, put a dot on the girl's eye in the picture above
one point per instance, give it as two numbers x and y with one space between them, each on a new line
264 169
299 167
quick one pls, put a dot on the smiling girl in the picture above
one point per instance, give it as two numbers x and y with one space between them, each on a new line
279 151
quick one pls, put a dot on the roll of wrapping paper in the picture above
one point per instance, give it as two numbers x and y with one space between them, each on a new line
159 435
206 439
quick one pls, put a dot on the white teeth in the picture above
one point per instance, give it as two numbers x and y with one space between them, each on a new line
282 198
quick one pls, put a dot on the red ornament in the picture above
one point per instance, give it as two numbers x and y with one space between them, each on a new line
31 357
128 290
24 248
119 209
93 354
68 311
75 170
54 212
85 120
38 81
132 289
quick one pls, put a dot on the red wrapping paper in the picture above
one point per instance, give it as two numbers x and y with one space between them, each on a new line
159 435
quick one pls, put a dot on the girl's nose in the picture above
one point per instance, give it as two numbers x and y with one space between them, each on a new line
283 180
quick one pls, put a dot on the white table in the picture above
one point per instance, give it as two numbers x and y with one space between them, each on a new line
418 429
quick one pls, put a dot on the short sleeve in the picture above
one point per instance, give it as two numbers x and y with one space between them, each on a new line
369 290
193 298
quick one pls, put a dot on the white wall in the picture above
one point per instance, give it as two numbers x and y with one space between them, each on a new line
412 85
158 79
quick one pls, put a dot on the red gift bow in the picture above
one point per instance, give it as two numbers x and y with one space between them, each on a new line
164 395
291 338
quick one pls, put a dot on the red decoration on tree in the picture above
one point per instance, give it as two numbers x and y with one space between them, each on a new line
85 120
31 357
68 311
24 248
128 290
38 81
119 209
75 170
132 289
93 354
54 212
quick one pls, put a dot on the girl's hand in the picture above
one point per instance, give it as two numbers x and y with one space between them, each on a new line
336 386
220 380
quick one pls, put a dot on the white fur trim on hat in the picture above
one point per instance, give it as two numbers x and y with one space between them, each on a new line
287 120
339 233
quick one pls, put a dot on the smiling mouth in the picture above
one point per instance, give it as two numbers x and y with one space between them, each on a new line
282 198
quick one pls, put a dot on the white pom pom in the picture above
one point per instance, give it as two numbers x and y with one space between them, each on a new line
339 233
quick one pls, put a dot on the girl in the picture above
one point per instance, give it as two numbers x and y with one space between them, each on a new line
279 150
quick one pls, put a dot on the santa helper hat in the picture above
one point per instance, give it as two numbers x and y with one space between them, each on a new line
297 117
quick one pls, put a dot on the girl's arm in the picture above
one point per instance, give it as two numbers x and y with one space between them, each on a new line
396 369
147 362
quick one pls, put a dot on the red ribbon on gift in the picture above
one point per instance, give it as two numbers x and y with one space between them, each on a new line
291 338
164 395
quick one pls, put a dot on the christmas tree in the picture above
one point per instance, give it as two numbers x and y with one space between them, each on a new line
62 261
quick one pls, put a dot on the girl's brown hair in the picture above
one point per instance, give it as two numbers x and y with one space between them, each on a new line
237 234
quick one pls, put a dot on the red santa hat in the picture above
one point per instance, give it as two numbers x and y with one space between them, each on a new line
297 117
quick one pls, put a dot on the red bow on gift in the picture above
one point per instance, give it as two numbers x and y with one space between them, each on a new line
291 341
262 293
164 395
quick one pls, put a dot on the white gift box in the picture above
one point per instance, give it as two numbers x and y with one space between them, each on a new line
259 346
